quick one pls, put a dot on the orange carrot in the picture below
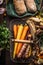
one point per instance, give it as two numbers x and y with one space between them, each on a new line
15 31
18 26
22 38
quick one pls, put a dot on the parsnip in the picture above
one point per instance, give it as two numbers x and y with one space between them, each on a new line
32 28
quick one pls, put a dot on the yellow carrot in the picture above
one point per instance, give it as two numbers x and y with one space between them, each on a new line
18 37
22 38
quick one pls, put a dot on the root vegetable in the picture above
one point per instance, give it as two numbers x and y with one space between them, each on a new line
19 6
31 5
28 51
22 50
26 28
32 27
15 31
20 30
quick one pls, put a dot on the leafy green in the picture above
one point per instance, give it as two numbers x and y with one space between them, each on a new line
4 35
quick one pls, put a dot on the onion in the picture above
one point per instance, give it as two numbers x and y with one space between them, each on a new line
1 1
2 10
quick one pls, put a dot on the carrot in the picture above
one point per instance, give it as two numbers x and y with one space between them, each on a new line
18 26
28 51
18 37
22 38
15 31
22 50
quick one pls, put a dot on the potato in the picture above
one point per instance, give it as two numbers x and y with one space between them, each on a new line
19 6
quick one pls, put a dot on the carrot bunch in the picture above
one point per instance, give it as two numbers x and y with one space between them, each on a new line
20 32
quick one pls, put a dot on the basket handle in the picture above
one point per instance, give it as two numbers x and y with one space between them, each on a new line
22 41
